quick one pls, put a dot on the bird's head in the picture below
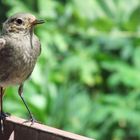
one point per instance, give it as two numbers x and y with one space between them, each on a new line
21 23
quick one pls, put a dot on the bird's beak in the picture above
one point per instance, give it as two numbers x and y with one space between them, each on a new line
38 22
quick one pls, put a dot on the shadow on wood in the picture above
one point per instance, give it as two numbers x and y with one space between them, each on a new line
16 129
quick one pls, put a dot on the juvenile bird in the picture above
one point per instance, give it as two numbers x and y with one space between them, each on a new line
19 50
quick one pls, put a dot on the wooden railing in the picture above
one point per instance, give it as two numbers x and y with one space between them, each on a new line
16 129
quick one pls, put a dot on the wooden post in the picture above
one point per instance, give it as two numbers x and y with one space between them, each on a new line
16 129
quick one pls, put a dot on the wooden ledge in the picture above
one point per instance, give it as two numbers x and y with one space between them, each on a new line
16 129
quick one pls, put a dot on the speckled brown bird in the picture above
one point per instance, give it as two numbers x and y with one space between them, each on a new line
19 50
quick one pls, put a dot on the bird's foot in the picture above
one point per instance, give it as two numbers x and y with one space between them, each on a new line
2 118
3 115
32 120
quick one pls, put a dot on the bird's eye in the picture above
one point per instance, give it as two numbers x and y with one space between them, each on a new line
19 21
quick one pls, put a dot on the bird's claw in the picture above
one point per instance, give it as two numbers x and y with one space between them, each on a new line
2 118
3 115
32 120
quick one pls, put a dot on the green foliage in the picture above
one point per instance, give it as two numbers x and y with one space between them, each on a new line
87 79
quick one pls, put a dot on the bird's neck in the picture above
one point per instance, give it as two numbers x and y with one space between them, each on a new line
18 33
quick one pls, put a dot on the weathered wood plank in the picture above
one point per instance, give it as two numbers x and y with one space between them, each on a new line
16 129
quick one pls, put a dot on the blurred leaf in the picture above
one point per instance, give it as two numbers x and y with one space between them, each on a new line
87 77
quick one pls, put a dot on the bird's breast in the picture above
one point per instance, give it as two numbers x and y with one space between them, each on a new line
17 61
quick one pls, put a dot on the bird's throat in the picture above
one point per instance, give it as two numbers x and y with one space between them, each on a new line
31 37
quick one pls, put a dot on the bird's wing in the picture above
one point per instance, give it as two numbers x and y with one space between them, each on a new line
2 43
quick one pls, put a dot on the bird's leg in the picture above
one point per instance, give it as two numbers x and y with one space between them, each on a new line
20 91
2 114
1 96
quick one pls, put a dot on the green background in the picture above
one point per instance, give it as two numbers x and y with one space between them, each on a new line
87 79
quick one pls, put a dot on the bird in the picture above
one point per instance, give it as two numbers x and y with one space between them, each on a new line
19 51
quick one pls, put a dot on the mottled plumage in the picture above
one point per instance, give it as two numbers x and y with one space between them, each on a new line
19 50
17 59
17 56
